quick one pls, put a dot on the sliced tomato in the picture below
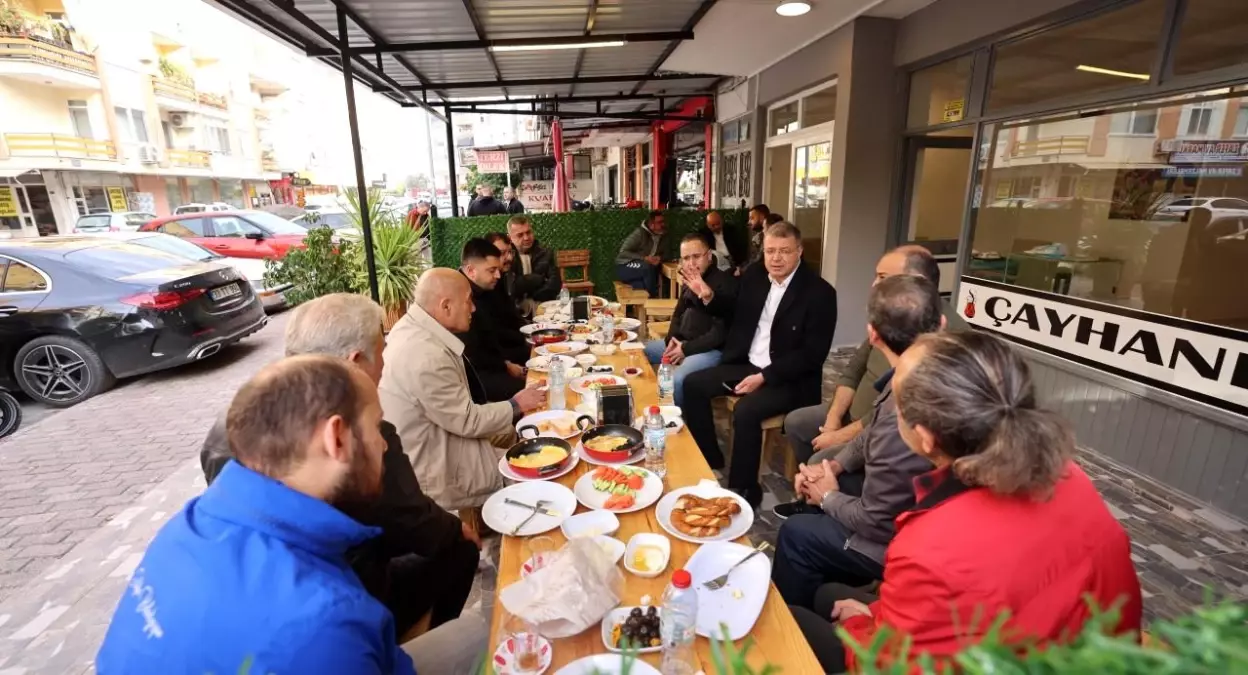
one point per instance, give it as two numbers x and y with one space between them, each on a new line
635 482
618 502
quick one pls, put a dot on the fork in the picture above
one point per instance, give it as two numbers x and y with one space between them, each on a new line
541 503
719 581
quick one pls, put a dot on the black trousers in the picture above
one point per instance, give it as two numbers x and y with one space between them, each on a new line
818 628
499 385
747 417
439 585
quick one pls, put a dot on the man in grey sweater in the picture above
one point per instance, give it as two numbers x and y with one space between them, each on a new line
846 541
641 254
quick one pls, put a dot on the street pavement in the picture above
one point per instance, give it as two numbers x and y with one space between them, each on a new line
82 490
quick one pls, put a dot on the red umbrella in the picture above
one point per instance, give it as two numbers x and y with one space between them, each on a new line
561 177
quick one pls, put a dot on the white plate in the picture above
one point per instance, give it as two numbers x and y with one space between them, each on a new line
581 384
707 489
538 417
505 468
629 336
640 422
627 323
637 457
591 524
529 329
502 517
572 348
541 364
751 582
606 664
649 493
617 616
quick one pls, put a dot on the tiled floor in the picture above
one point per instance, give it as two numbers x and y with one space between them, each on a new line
1184 552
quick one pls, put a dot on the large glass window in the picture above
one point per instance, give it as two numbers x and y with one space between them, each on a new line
783 119
1211 36
819 107
938 93
1105 52
1153 222
811 172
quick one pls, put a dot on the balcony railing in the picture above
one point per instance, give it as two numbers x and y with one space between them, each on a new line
262 116
23 48
195 159
171 89
270 165
1058 145
213 101
58 145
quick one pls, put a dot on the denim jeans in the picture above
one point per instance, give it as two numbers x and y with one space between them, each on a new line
691 364
641 275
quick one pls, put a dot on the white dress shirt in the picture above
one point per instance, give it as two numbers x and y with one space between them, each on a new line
723 258
760 346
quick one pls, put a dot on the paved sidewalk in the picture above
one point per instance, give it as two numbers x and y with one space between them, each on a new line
62 478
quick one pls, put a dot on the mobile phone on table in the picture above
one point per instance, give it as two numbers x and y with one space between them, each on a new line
601 369
732 386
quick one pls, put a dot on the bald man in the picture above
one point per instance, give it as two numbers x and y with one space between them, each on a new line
431 394
731 245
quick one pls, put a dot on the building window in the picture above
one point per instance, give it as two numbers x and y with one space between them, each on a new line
217 139
581 167
729 135
1241 121
783 119
1211 36
938 93
1111 50
131 124
1134 122
819 107
80 119
1159 225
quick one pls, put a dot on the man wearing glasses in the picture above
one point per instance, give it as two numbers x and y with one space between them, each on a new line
696 335
782 321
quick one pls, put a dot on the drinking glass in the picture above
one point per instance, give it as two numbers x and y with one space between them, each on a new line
524 642
542 551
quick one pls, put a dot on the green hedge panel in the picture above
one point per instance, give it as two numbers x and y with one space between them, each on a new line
602 232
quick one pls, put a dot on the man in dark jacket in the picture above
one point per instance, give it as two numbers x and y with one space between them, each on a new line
696 335
420 540
485 204
783 317
641 254
514 206
534 275
846 542
498 367
731 246
758 222
506 313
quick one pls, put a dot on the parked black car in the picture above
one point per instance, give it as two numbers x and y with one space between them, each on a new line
78 312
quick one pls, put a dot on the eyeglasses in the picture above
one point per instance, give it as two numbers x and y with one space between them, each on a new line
782 252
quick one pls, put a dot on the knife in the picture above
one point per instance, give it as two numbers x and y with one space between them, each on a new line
544 512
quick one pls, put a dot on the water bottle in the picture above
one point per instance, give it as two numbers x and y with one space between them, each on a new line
678 626
656 442
565 301
667 382
556 396
607 323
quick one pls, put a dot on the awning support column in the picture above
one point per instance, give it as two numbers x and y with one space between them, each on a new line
450 160
361 187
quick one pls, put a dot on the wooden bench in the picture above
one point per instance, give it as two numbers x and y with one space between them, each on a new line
771 439
575 260
628 297
656 309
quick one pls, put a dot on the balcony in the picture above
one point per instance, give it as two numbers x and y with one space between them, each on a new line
171 94
262 117
46 62
191 159
213 101
59 146
1058 145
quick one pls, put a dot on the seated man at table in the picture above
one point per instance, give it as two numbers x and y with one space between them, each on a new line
696 335
759 214
497 366
783 317
419 538
641 255
433 396
845 543
502 299
252 575
534 276
730 245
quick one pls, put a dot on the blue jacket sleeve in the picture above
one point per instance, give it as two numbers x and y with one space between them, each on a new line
361 642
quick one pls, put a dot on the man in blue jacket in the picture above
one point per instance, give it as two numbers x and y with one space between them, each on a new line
251 576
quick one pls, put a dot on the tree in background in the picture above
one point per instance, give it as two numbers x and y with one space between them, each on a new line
498 181
418 181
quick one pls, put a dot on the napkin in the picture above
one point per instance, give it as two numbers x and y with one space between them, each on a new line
569 594
632 346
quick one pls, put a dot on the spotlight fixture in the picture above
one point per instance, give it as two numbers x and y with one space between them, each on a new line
792 8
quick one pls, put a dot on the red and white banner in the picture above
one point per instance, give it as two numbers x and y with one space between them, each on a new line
493 161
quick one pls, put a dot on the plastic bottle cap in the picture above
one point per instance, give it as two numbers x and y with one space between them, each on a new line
681 579
665 360
653 410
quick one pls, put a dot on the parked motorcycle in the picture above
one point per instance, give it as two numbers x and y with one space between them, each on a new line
10 413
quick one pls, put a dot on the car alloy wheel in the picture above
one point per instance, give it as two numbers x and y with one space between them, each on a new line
57 372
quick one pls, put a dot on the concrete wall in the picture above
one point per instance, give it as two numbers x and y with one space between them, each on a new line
31 109
817 62
946 24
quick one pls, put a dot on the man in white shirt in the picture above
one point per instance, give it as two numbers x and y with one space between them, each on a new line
782 321
730 244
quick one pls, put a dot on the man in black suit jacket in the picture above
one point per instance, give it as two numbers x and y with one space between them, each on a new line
731 246
783 318
496 358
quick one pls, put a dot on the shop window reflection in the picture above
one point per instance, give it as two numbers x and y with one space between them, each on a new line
783 120
1211 36
812 169
1154 221
938 93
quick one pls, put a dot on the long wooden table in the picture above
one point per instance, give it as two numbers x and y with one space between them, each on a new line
775 638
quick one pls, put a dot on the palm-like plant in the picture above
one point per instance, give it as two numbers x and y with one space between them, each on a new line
396 254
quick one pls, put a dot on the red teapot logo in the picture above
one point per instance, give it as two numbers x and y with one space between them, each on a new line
969 310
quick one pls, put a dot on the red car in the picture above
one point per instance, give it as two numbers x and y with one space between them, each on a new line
238 234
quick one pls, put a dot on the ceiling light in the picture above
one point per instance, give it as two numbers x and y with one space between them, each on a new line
577 45
792 8
1116 73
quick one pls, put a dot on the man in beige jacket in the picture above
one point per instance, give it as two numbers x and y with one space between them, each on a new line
430 393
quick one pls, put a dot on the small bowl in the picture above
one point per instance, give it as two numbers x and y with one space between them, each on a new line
620 615
590 524
632 371
602 350
614 547
586 359
647 539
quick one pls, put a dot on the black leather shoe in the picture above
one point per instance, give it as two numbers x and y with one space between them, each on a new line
753 495
793 508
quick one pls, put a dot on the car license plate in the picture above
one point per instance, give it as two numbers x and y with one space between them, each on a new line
224 292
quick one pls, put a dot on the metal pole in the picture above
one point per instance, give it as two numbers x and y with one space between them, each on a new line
433 171
360 186
450 160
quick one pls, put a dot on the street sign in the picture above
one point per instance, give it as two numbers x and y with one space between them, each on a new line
116 199
301 182
493 161
8 202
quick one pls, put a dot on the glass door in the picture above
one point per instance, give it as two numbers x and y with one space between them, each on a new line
812 169
937 170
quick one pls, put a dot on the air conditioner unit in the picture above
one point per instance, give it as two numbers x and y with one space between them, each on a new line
180 120
148 154
530 124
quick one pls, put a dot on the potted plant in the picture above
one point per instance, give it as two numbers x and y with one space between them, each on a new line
396 255
12 19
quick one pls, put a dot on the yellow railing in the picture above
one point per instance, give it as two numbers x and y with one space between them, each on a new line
57 145
26 49
261 115
162 87
1058 145
270 165
190 158
213 100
